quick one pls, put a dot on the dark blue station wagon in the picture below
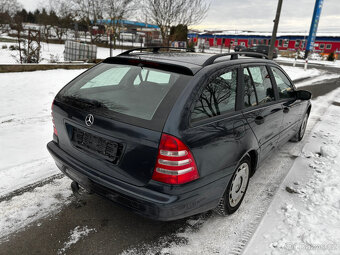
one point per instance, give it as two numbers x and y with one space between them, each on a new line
173 134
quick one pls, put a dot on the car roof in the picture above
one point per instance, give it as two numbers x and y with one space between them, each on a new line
191 62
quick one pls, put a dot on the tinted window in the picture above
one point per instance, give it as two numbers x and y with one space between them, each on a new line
152 76
107 78
262 83
217 97
263 48
131 90
249 91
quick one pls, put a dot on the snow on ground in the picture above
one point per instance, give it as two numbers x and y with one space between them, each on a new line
296 73
317 79
29 207
76 234
335 63
25 125
304 217
48 51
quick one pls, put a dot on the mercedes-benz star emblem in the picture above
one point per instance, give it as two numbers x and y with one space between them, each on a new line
89 119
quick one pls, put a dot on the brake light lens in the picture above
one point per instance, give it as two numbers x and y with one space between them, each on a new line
175 163
54 128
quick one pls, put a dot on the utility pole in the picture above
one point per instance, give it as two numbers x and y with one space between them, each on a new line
276 24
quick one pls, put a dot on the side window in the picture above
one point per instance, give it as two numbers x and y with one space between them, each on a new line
249 90
284 86
217 97
262 83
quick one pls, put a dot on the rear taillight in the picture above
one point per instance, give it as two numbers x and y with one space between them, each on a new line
175 163
54 129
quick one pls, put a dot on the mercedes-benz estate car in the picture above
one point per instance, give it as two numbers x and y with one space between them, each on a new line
173 134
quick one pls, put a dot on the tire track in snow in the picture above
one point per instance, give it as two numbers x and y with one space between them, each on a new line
30 187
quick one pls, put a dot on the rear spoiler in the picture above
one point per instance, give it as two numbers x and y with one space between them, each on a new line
135 61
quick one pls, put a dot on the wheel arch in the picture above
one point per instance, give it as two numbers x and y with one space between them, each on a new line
254 159
253 154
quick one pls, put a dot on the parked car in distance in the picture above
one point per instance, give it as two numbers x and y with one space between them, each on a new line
264 49
173 134
240 48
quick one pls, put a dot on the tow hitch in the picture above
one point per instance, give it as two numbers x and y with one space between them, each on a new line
77 194
75 189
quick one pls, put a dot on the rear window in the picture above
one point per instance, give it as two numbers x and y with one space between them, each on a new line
130 90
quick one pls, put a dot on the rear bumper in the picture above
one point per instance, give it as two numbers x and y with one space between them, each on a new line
142 200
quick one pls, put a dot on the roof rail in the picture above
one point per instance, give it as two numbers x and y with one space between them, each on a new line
155 49
233 56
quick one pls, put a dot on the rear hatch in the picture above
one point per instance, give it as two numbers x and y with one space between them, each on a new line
111 118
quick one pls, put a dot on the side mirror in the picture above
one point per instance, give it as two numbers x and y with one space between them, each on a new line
303 95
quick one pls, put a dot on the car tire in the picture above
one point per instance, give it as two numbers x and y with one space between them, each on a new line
299 135
236 189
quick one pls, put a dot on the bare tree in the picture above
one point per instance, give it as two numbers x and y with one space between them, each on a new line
167 13
116 10
89 11
9 6
64 16
8 9
45 22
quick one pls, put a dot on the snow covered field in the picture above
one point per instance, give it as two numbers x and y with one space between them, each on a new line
25 124
48 51
25 128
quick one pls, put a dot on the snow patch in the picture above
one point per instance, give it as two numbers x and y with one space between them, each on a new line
328 151
296 73
317 80
76 234
24 209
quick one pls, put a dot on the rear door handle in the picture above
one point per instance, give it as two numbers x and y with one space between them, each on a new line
259 120
285 109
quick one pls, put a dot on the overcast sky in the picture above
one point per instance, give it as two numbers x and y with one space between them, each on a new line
258 15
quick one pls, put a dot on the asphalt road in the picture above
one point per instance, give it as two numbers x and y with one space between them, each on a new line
118 229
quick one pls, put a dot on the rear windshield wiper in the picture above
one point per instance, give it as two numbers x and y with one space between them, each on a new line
91 102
